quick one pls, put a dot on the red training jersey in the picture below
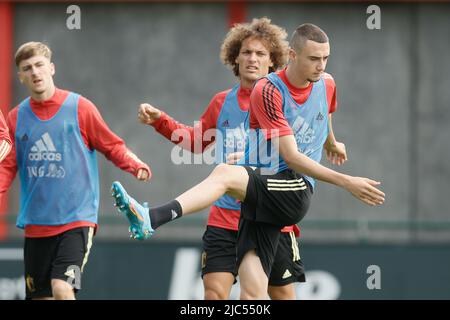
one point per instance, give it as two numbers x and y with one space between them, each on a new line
267 109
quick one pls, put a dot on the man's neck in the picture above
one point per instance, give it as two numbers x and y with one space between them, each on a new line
247 84
40 97
295 79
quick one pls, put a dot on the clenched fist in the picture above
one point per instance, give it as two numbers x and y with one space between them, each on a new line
148 114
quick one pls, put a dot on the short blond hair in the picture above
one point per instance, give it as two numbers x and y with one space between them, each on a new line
273 37
31 49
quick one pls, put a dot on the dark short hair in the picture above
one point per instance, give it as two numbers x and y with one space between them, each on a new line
307 31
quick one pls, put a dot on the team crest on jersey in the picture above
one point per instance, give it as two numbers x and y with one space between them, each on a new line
225 123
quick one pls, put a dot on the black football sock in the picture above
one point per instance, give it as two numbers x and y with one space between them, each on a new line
162 214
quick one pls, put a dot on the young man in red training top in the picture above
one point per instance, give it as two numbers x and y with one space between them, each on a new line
55 135
275 187
252 50
5 141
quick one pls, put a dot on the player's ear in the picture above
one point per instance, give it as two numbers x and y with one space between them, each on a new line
52 68
20 76
292 54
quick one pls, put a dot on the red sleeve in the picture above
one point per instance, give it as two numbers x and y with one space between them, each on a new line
191 138
5 141
266 110
331 92
97 135
4 134
5 147
8 167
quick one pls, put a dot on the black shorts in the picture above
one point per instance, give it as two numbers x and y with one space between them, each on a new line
261 237
288 266
63 257
281 199
219 250
219 255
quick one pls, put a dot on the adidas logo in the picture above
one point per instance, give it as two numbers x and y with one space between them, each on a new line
225 123
174 214
319 116
44 149
24 138
287 274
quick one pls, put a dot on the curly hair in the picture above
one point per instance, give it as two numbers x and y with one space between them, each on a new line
273 37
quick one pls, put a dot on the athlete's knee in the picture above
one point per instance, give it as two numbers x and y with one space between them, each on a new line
247 296
222 170
215 294
217 285
255 291
286 292
224 173
233 178
253 294
62 290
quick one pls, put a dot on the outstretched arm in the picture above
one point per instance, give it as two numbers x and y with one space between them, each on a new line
8 168
190 138
99 136
362 188
269 115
